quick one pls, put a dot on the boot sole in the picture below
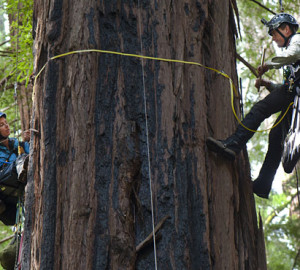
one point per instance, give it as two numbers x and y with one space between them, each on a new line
260 190
262 195
218 147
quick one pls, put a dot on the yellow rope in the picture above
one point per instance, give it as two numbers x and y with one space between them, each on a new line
232 87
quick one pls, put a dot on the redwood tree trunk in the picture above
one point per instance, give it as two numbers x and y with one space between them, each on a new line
88 197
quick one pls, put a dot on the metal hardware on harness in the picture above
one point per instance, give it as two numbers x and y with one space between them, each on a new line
291 149
291 82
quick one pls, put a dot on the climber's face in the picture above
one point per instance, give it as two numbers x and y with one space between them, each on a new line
4 127
277 38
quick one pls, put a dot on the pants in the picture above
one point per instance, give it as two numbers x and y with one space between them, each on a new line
11 190
277 101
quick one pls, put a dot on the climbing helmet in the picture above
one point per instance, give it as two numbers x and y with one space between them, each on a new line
279 19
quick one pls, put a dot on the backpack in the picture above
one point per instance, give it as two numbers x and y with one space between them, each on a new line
11 190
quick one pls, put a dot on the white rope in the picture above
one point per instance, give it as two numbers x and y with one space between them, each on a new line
17 47
16 72
147 138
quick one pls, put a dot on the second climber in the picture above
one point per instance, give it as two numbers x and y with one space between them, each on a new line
282 27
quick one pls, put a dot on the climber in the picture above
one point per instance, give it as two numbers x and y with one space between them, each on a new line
282 27
13 170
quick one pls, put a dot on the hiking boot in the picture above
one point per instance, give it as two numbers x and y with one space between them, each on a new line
227 148
258 192
262 187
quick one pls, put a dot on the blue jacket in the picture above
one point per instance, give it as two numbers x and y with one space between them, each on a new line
11 153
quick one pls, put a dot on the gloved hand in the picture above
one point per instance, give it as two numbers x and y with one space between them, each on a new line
26 135
262 82
262 69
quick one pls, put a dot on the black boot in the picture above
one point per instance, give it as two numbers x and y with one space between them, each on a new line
263 183
262 187
234 144
227 148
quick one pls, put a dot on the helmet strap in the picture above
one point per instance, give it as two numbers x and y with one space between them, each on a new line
286 39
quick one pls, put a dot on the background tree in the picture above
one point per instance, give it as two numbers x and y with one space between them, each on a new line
15 67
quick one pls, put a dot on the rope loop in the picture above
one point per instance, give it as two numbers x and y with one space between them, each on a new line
222 73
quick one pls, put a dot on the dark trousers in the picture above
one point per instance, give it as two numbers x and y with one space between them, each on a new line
277 101
11 190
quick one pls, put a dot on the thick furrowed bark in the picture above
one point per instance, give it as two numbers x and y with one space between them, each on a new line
89 203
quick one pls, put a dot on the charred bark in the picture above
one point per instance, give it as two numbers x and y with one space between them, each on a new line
88 198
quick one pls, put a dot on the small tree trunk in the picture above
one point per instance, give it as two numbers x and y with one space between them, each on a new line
24 99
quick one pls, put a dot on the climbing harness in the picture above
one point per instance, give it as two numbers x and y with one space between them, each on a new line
291 151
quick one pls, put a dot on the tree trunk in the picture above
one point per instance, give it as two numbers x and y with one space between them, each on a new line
88 198
24 99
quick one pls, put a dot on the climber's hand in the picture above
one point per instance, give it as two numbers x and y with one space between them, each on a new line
26 135
262 69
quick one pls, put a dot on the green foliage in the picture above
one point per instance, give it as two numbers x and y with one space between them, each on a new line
16 64
5 231
280 215
20 62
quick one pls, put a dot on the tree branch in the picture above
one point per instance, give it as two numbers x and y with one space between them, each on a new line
8 107
261 5
251 68
6 52
6 238
5 55
4 42
4 80
150 236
